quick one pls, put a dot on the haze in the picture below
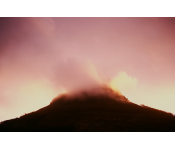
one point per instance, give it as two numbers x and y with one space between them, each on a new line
41 58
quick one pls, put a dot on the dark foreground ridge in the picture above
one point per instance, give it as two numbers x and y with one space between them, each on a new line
94 111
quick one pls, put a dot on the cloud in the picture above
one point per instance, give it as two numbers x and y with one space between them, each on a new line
123 83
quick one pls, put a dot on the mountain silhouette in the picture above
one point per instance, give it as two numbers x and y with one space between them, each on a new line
94 110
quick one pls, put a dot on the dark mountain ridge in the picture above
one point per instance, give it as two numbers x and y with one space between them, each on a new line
96 110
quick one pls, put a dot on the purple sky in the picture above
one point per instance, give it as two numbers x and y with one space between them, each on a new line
43 57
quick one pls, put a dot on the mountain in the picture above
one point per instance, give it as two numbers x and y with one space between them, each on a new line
94 110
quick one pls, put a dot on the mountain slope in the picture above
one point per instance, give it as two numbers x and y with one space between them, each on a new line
96 110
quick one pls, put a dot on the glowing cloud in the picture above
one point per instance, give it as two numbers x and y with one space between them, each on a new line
123 83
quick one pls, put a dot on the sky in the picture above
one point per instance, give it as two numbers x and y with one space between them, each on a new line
41 58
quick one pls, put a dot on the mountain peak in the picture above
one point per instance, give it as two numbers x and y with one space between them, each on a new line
101 92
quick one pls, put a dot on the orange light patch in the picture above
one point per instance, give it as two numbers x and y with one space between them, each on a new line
123 83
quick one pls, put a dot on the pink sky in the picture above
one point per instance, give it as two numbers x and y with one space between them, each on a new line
43 57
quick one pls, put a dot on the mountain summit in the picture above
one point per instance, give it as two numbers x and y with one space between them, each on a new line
99 109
